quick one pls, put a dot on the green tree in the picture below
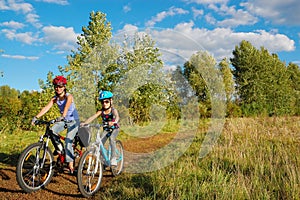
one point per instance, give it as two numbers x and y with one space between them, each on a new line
233 110
93 65
47 92
30 107
10 107
246 71
201 71
261 80
141 77
294 77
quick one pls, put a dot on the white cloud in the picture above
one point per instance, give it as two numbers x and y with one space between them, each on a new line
20 57
206 1
60 2
279 12
12 24
126 8
26 37
210 19
197 12
33 19
239 17
3 5
25 8
63 38
220 42
162 15
16 6
232 17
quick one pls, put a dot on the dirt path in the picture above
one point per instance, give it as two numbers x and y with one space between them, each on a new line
64 186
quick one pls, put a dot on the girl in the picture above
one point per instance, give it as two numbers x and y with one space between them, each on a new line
109 115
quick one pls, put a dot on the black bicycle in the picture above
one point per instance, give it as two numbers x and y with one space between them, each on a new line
36 164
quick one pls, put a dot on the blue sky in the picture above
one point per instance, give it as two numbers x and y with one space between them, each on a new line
37 35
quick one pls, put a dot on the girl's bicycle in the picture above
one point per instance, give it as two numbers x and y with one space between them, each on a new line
36 164
94 160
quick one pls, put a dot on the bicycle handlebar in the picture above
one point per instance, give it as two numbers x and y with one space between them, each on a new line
97 126
42 122
48 123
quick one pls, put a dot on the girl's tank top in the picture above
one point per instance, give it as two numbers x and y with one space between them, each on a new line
109 117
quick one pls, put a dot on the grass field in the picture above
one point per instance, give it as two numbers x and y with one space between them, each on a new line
254 158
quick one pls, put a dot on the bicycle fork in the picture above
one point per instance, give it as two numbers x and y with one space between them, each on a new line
45 147
90 163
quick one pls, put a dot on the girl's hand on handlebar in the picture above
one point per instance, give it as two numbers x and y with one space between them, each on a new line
111 123
83 124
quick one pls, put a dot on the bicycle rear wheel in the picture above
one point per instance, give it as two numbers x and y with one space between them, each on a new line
116 170
35 167
89 174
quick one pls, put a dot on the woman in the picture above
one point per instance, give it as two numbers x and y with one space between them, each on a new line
69 117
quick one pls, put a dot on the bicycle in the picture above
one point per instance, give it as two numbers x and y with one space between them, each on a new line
36 164
93 162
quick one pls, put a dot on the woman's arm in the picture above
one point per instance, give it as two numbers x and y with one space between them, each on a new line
46 108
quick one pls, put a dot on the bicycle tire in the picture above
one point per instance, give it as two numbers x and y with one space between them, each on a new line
87 172
117 170
30 176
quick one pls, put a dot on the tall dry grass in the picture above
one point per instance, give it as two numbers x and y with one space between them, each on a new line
255 158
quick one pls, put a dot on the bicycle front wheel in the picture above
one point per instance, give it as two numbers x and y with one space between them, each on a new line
35 167
116 170
89 174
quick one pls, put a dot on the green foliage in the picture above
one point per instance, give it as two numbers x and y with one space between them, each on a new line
258 84
294 80
30 107
93 66
262 81
142 78
204 78
10 107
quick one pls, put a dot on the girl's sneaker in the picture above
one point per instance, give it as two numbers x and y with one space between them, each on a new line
113 162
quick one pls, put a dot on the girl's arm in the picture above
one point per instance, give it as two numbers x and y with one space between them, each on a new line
116 116
90 119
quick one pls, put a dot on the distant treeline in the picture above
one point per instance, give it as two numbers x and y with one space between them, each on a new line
255 82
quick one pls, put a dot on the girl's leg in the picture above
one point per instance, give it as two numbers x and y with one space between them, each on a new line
113 145
104 138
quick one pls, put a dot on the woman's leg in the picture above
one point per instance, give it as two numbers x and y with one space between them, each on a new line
72 130
56 129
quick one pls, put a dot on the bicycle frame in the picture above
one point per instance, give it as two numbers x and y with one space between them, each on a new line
94 160
36 164
49 135
100 148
